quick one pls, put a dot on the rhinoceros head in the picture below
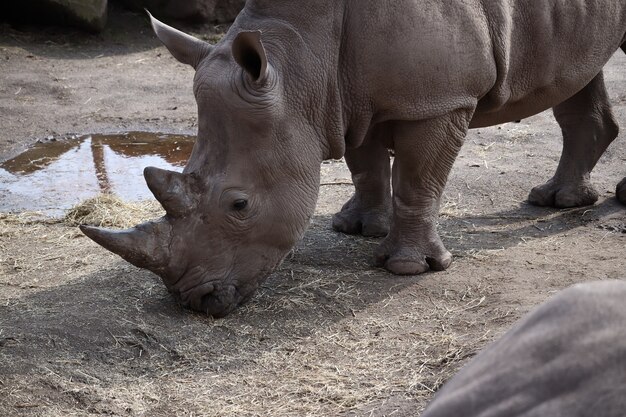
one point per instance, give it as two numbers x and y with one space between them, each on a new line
249 188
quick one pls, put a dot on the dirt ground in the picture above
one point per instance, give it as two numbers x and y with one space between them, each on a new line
84 333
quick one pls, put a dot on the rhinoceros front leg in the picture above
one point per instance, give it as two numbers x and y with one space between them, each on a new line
425 152
368 212
588 127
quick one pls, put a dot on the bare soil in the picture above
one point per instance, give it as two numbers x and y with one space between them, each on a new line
84 333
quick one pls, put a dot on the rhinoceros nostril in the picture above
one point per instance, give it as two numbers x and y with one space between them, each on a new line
219 302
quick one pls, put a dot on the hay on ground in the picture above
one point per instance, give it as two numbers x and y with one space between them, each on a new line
108 210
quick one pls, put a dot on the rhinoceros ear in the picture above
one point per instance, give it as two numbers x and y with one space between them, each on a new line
249 53
183 47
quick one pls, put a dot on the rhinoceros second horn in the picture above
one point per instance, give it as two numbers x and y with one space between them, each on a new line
170 189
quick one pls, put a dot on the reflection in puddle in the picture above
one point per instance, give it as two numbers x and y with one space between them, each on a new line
55 175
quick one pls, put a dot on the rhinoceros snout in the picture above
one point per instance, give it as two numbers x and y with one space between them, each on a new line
216 300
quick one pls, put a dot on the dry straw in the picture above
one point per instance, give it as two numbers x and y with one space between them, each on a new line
108 210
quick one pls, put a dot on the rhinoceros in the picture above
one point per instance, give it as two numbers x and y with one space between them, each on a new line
295 83
567 358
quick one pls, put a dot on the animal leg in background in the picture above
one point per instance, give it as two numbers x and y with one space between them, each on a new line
368 212
588 127
620 191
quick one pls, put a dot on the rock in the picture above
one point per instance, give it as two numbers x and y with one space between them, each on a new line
214 11
90 14
227 10
87 14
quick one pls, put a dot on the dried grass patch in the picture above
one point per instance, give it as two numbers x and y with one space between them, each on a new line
32 245
26 218
401 347
108 210
348 368
19 226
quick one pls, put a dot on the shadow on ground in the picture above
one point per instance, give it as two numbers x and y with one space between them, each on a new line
122 318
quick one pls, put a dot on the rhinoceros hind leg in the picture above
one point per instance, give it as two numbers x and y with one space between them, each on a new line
563 195
368 212
588 127
620 191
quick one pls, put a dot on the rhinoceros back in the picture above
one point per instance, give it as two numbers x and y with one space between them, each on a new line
565 359
545 52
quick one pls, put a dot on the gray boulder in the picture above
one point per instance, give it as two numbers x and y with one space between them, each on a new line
86 14
214 11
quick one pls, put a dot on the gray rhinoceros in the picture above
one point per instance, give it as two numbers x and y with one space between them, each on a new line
294 83
567 358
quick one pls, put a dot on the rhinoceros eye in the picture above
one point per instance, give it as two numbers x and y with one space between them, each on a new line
240 204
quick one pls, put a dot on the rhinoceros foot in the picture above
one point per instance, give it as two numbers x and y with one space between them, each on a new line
358 218
562 194
620 191
424 252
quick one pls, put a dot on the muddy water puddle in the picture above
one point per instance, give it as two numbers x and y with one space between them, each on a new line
54 175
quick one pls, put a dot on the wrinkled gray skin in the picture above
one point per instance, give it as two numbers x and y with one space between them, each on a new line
294 83
567 358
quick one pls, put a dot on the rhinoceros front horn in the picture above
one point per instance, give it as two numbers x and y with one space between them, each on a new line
171 189
145 246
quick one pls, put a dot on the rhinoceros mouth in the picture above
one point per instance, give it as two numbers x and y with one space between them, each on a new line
204 291
219 298
213 299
